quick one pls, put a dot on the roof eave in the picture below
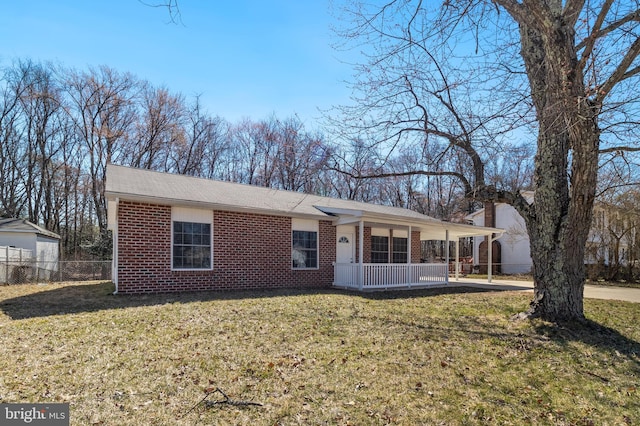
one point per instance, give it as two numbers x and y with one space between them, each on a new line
112 196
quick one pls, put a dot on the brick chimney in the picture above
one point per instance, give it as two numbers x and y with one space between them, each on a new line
490 215
496 253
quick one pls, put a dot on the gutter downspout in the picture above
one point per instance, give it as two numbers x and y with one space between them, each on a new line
114 261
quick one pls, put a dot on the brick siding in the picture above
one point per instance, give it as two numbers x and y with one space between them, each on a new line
416 247
250 251
366 254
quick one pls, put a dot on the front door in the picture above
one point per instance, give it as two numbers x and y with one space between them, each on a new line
344 249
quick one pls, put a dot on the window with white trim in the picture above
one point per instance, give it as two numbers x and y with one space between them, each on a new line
191 239
379 249
304 244
191 245
305 249
400 250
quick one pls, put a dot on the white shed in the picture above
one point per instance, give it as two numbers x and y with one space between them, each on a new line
24 242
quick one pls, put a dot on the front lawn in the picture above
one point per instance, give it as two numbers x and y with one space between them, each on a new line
448 356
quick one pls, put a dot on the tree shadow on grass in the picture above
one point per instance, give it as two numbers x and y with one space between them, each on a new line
92 297
417 293
601 338
593 334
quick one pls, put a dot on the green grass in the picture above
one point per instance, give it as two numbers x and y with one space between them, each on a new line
450 357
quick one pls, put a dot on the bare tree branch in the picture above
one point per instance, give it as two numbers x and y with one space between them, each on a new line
172 7
459 176
571 12
622 72
590 41
633 16
519 13
619 149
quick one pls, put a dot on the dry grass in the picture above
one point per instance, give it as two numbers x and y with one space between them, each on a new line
527 277
314 358
620 283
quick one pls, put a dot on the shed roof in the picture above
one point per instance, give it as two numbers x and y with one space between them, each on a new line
24 226
133 184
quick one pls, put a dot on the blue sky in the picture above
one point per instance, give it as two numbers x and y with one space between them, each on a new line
247 58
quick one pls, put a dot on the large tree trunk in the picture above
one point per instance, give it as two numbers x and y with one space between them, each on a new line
559 229
565 171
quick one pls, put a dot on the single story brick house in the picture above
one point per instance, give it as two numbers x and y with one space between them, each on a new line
177 233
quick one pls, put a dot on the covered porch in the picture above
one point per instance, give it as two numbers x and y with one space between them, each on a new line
390 257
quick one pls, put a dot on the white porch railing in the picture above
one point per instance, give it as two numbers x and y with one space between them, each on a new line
389 275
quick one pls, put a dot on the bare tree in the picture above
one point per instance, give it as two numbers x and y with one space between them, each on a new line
614 235
277 154
467 78
102 106
157 129
355 159
254 152
43 135
12 200
204 147
300 156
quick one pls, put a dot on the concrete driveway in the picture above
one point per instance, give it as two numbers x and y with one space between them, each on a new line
590 291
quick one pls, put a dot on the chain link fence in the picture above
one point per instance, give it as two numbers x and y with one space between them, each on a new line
30 271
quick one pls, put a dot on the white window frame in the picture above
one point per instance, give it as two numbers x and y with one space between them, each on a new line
387 252
191 215
306 225
380 232
393 251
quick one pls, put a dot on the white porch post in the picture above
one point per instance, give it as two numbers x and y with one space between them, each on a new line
361 253
446 255
457 261
409 247
7 265
409 277
489 258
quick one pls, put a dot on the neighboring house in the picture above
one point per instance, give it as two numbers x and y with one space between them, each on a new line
515 254
514 242
175 233
27 244
613 238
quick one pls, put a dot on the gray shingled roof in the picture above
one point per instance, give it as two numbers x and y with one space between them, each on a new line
149 186
23 225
